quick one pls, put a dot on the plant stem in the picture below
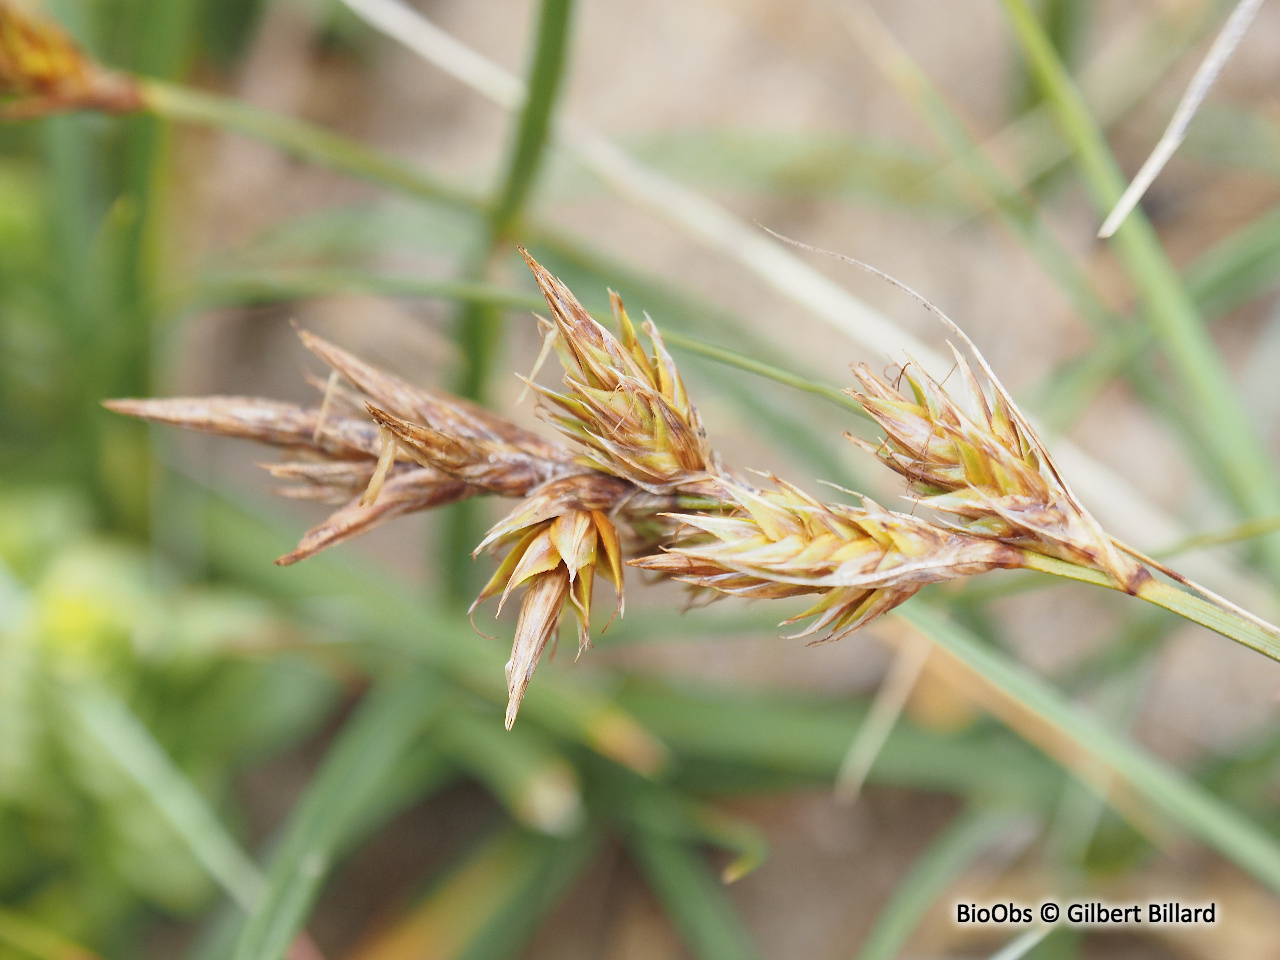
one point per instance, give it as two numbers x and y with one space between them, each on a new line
1258 636
131 252
480 326
732 358
534 125
304 140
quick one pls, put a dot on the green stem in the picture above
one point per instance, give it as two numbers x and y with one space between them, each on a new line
133 248
1256 636
68 146
535 119
1221 417
301 139
480 327
731 358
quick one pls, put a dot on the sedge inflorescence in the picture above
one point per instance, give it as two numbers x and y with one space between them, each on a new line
976 459
633 480
44 71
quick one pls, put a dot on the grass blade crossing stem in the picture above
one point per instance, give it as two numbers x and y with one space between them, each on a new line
370 744
1221 418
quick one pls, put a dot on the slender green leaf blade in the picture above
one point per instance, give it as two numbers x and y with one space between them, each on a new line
371 743
697 902
1161 787
950 854
130 743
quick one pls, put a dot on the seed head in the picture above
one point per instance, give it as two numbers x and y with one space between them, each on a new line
339 455
439 411
630 411
979 459
561 535
860 561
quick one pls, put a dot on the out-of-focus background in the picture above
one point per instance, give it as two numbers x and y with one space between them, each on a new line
203 755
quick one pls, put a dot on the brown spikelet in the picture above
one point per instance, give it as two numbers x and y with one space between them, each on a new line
323 481
342 456
539 620
489 463
407 491
343 452
43 71
861 562
979 459
628 409
267 421
441 412
561 532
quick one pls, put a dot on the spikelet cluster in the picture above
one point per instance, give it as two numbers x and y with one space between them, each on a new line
629 411
559 538
382 447
639 444
43 71
978 459
633 470
556 539
861 562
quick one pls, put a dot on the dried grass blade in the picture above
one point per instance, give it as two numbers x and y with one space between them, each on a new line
1224 46
879 722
